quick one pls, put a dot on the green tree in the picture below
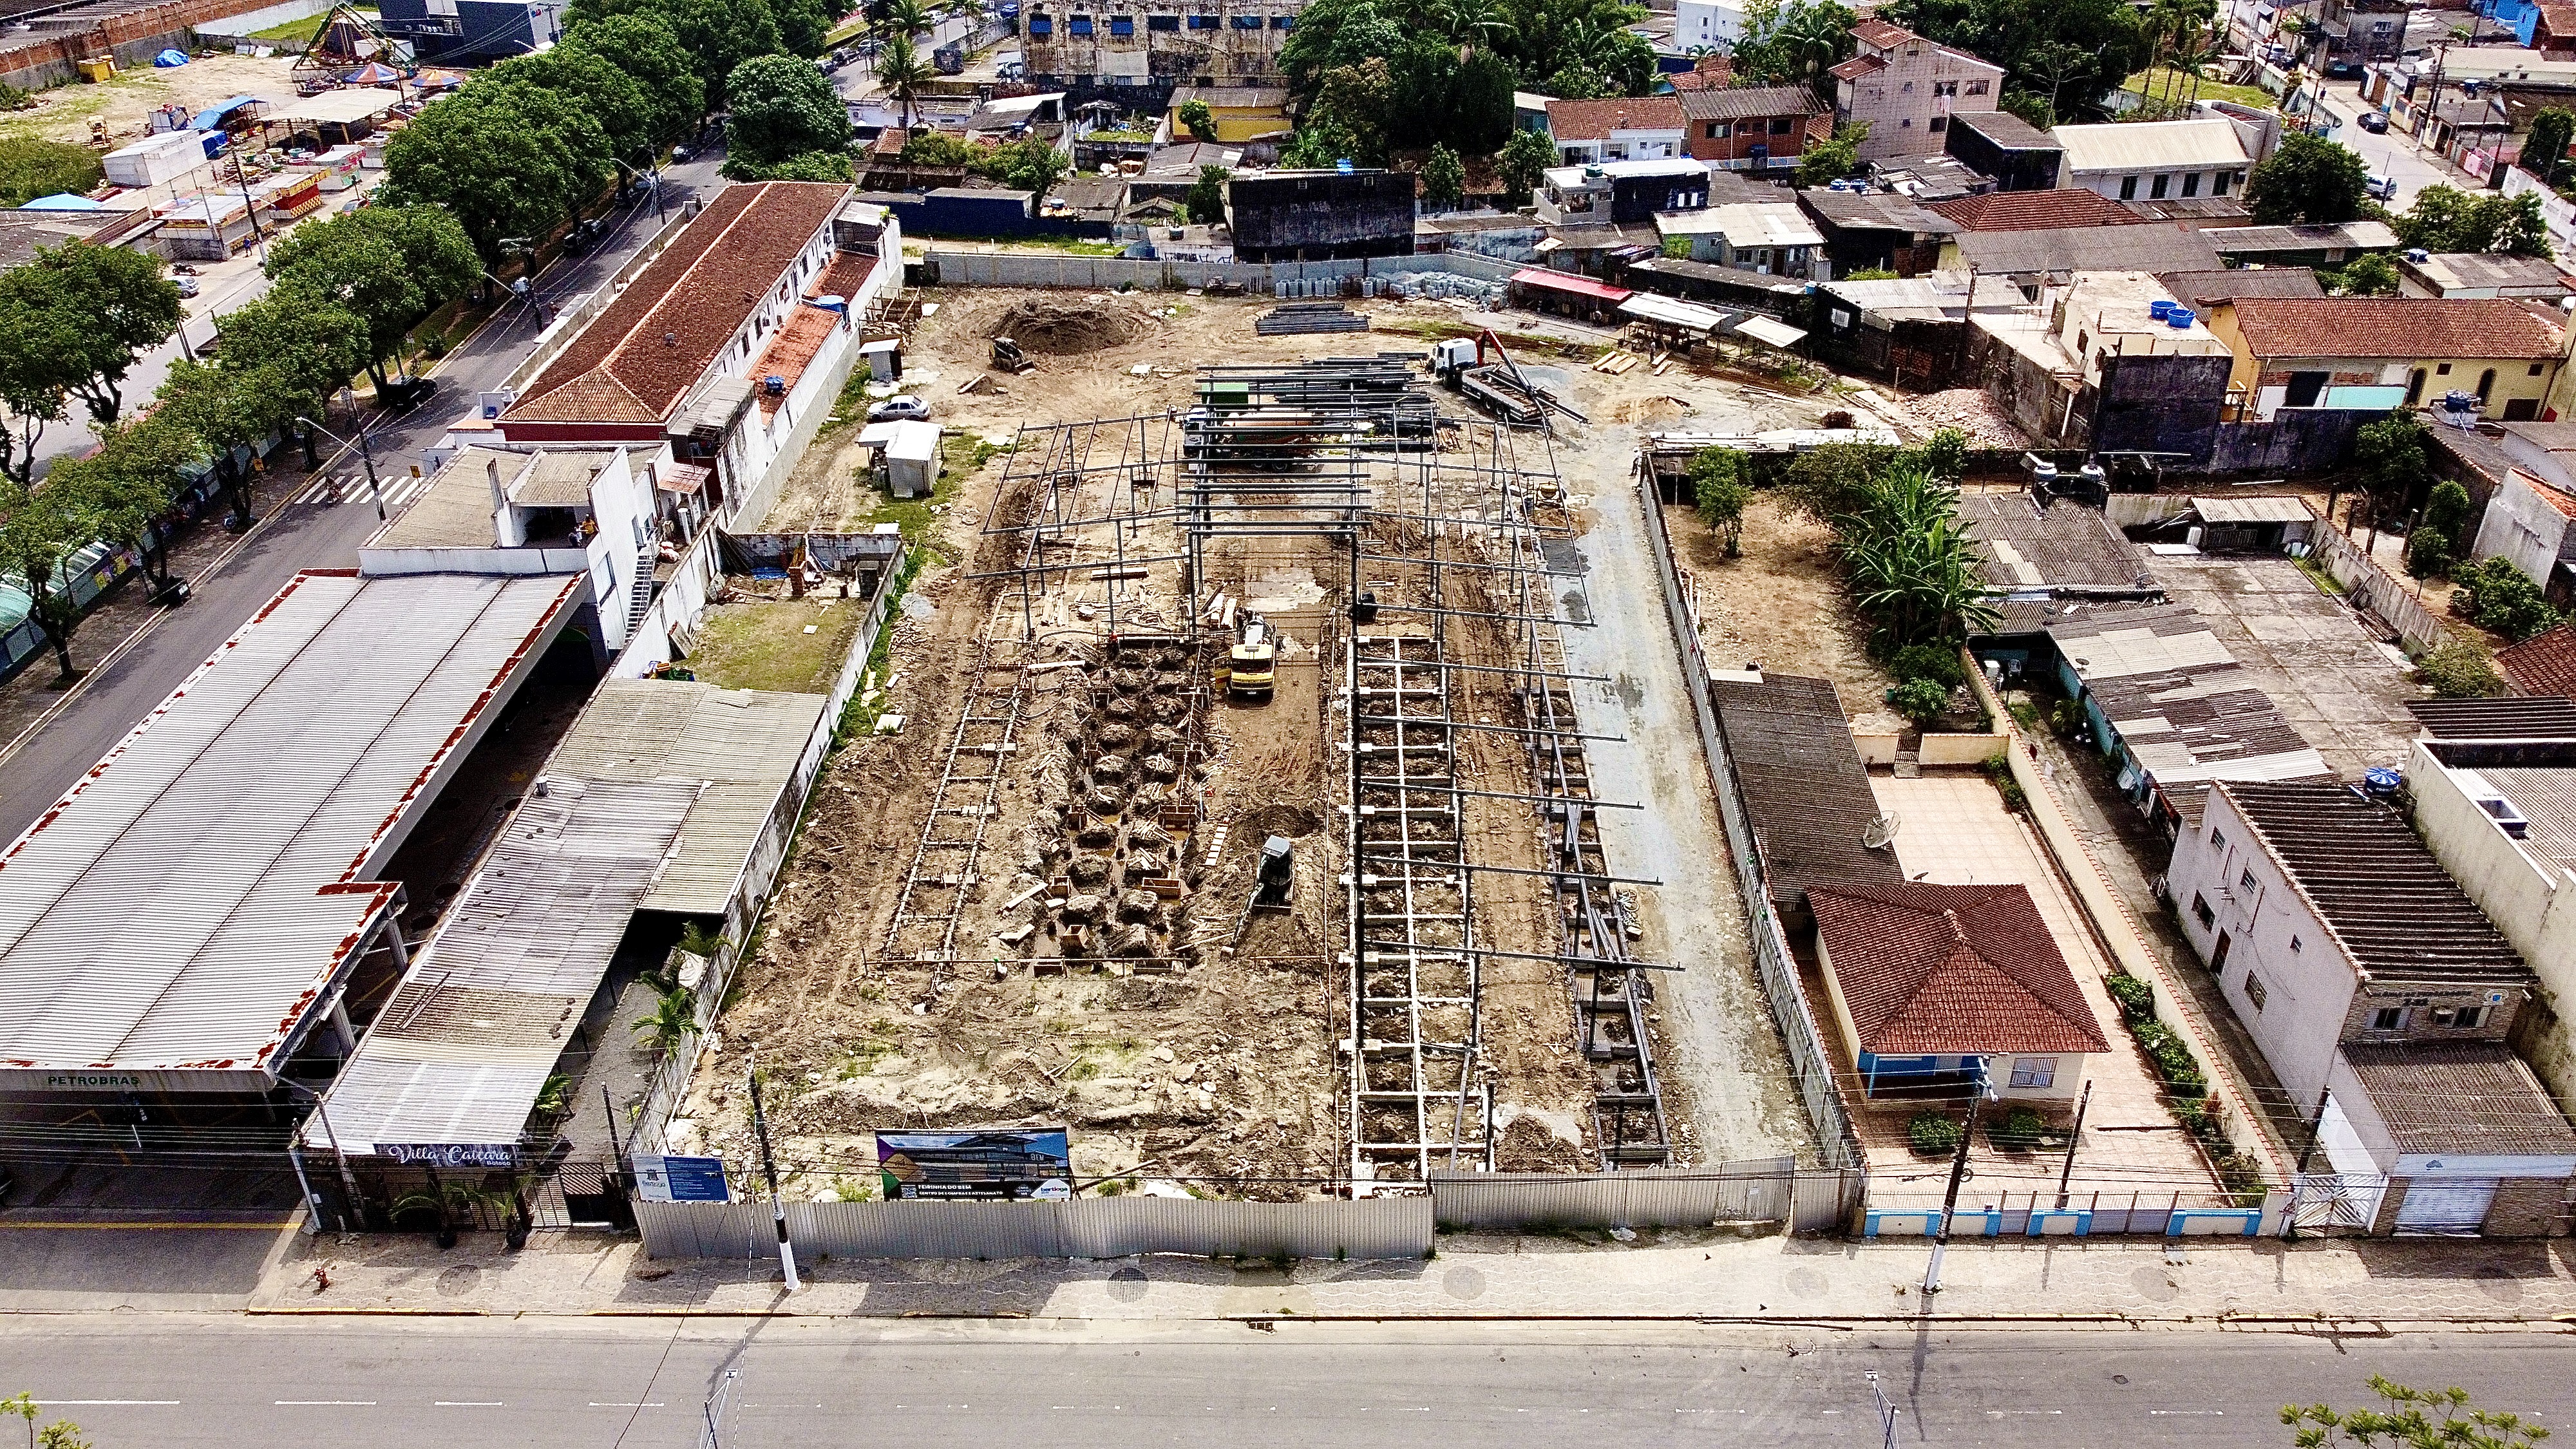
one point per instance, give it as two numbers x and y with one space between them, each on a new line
129 485
2076 53
598 86
2389 454
782 107
60 1434
717 34
1910 562
2458 669
1198 119
88 310
1828 160
1794 44
2447 219
2544 147
1722 486
2436 541
509 161
1444 178
805 28
674 1016
823 166
30 168
1207 195
1921 701
32 395
2411 1419
1033 166
1523 163
2367 275
645 47
1469 24
903 72
2500 597
41 528
2308 181
2519 230
389 266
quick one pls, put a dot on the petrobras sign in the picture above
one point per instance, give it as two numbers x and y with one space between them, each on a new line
451 1154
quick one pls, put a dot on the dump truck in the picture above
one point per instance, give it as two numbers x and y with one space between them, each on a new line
1252 664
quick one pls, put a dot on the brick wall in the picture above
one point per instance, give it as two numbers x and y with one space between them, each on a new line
132 35
2528 1208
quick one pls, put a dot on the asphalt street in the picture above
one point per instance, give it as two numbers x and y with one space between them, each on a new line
184 1380
307 530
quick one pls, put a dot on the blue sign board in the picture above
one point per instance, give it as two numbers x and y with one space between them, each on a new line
680 1179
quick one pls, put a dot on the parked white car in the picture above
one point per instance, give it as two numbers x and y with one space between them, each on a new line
906 408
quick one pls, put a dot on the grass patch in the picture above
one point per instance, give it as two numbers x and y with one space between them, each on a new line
2167 79
30 168
2315 569
1066 248
762 644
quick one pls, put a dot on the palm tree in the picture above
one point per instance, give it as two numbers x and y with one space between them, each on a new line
1814 39
1470 23
674 1016
902 71
906 18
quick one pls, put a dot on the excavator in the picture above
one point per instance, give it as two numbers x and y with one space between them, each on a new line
1252 665
1007 357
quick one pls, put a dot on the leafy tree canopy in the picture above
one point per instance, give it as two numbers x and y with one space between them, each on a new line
83 312
717 34
2447 219
782 107
2411 1419
1444 178
2308 181
1794 44
389 266
645 47
508 160
2072 54
595 84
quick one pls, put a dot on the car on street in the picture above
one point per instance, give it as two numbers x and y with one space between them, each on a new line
2343 70
906 408
681 155
2381 188
404 394
187 286
2375 122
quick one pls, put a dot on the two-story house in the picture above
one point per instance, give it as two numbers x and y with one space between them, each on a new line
1713 23
1906 88
2379 352
2382 998
1752 128
1586 133
2155 160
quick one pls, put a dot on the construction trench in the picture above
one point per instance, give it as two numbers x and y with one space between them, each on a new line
1436 974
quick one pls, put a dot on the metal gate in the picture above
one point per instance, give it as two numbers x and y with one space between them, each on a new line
2445 1204
2322 1202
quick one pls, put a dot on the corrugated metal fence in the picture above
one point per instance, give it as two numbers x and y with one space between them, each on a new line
1116 1227
1048 269
1769 1190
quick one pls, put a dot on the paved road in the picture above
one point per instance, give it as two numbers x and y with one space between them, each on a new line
2392 154
179 1380
301 533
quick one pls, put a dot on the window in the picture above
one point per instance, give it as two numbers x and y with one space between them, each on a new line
2219 187
1162 22
2216 840
1122 25
2414 387
1976 88
1905 124
2128 188
1719 130
2468 1018
2294 945
1945 88
1938 123
2034 1072
2442 370
2157 191
2191 184
2246 879
1040 25
1780 125
1247 22
2486 384
2201 912
2254 991
1203 22
1908 87
1081 25
2535 369
2388 1018
1283 22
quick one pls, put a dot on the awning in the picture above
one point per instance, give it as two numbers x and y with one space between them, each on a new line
338 107
1569 284
1770 333
1667 312
681 478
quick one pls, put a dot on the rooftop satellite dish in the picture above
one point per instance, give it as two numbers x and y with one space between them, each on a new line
1880 833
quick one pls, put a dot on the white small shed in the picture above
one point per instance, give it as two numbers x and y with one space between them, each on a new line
156 159
912 460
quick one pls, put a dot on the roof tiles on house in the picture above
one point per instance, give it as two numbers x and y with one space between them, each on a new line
2395 327
1746 103
2542 664
2461 1099
1883 34
2038 211
637 359
1950 968
2515 717
1595 120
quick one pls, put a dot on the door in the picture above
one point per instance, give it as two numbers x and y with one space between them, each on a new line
2218 954
2445 1204
2304 389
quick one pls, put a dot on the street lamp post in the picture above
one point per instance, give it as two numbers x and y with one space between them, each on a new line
649 180
366 454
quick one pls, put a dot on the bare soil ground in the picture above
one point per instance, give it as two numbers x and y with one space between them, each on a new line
64 112
1781 604
1207 1057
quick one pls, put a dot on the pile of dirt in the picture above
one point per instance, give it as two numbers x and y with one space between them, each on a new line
1066 330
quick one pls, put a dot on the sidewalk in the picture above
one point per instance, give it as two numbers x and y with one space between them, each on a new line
1663 1275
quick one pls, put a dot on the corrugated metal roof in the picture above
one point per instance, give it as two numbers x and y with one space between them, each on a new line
466 1044
187 904
742 744
2251 510
2152 146
1651 308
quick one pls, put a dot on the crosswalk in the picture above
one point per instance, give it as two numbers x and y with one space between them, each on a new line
401 490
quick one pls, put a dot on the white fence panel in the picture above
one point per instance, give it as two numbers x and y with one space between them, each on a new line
1757 1190
1083 1228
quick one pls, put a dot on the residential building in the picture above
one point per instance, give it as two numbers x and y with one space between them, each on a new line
2478 274
1805 790
2061 251
1952 983
2153 160
1753 236
470 32
1707 22
2533 524
2553 30
728 341
1300 216
1927 179
2018 155
2206 291
1876 230
2380 352
2544 664
2057 209
1587 133
1620 192
1241 113
1711 72
2382 998
1911 331
1905 89
2299 246
1074 46
2111 362
1752 128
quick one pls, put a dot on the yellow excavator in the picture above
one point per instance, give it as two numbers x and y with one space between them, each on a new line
1252 664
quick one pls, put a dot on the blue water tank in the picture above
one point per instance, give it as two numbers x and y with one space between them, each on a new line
2161 308
2180 319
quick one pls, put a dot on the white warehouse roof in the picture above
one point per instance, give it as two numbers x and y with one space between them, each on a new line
176 920
2151 146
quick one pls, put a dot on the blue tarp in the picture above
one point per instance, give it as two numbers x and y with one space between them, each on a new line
61 201
212 118
171 59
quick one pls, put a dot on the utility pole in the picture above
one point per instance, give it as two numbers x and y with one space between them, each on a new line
1950 1199
769 1169
2064 1174
1886 1412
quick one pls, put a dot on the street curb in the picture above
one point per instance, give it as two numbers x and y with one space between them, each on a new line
1841 1322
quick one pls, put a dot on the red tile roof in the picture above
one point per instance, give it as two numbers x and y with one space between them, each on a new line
1712 72
794 346
2394 327
1856 67
2037 210
1595 120
2544 664
1950 968
637 359
2560 18
2558 498
1882 34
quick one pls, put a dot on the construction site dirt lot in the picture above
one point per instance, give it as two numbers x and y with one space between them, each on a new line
1186 1040
1781 604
